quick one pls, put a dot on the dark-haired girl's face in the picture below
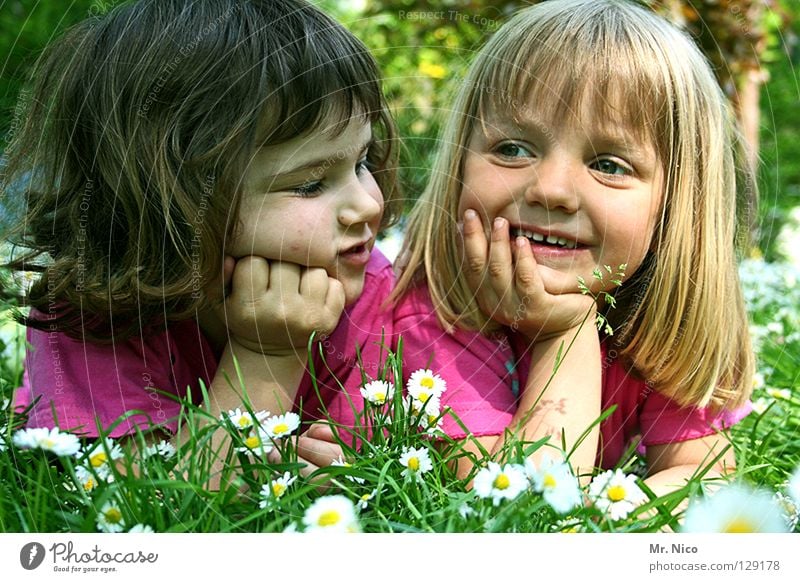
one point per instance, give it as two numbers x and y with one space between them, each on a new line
313 201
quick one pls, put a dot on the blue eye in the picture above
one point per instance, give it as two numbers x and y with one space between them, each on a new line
309 189
513 150
610 167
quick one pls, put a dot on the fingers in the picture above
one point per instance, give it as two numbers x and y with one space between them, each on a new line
250 278
526 271
499 267
476 249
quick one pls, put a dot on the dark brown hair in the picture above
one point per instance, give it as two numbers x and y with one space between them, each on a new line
138 131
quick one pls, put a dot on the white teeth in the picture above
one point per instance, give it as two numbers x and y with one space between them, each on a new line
551 239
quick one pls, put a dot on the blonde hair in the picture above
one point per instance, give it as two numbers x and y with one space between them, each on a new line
680 322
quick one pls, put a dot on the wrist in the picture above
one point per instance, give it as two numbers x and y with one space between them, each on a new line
243 347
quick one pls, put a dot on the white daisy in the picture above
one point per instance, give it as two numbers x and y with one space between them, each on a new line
793 487
789 509
735 509
256 442
88 480
418 411
415 461
500 482
3 430
424 384
281 425
163 449
141 528
363 501
276 488
378 392
558 486
244 420
616 493
465 510
109 519
100 456
53 440
335 513
780 393
340 462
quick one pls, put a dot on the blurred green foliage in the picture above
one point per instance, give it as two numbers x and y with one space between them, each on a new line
424 48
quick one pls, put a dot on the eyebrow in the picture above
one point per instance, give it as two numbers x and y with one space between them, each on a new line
318 163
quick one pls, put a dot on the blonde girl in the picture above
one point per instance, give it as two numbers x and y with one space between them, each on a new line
586 134
161 138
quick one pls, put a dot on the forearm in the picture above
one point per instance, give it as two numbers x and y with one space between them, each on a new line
268 382
566 402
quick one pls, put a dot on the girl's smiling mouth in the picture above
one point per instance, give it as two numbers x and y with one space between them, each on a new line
550 239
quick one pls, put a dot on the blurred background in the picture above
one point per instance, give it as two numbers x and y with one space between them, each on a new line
424 48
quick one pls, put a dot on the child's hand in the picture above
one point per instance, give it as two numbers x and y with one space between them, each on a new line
317 447
274 307
509 288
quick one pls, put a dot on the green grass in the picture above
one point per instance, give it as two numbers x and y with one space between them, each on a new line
41 492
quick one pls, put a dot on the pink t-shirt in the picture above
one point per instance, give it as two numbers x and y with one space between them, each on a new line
484 376
85 384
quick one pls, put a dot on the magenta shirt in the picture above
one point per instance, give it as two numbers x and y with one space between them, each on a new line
484 376
87 384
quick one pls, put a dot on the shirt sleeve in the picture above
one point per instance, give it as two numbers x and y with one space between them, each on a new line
85 388
663 421
478 371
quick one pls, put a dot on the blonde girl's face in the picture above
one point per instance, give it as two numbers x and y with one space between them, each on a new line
585 194
313 201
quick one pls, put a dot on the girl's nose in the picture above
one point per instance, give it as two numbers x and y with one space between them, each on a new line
553 185
361 202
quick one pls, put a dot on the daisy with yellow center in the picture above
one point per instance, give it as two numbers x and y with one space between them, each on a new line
282 425
424 385
616 493
62 444
499 483
735 509
100 456
86 478
377 392
416 462
270 493
333 513
110 519
244 420
555 481
256 442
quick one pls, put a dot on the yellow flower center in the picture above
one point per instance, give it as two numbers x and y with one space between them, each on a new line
244 422
366 497
98 459
549 481
380 397
427 383
413 463
48 443
278 489
113 515
280 428
90 484
252 441
616 493
502 481
739 525
328 518
432 418
423 397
